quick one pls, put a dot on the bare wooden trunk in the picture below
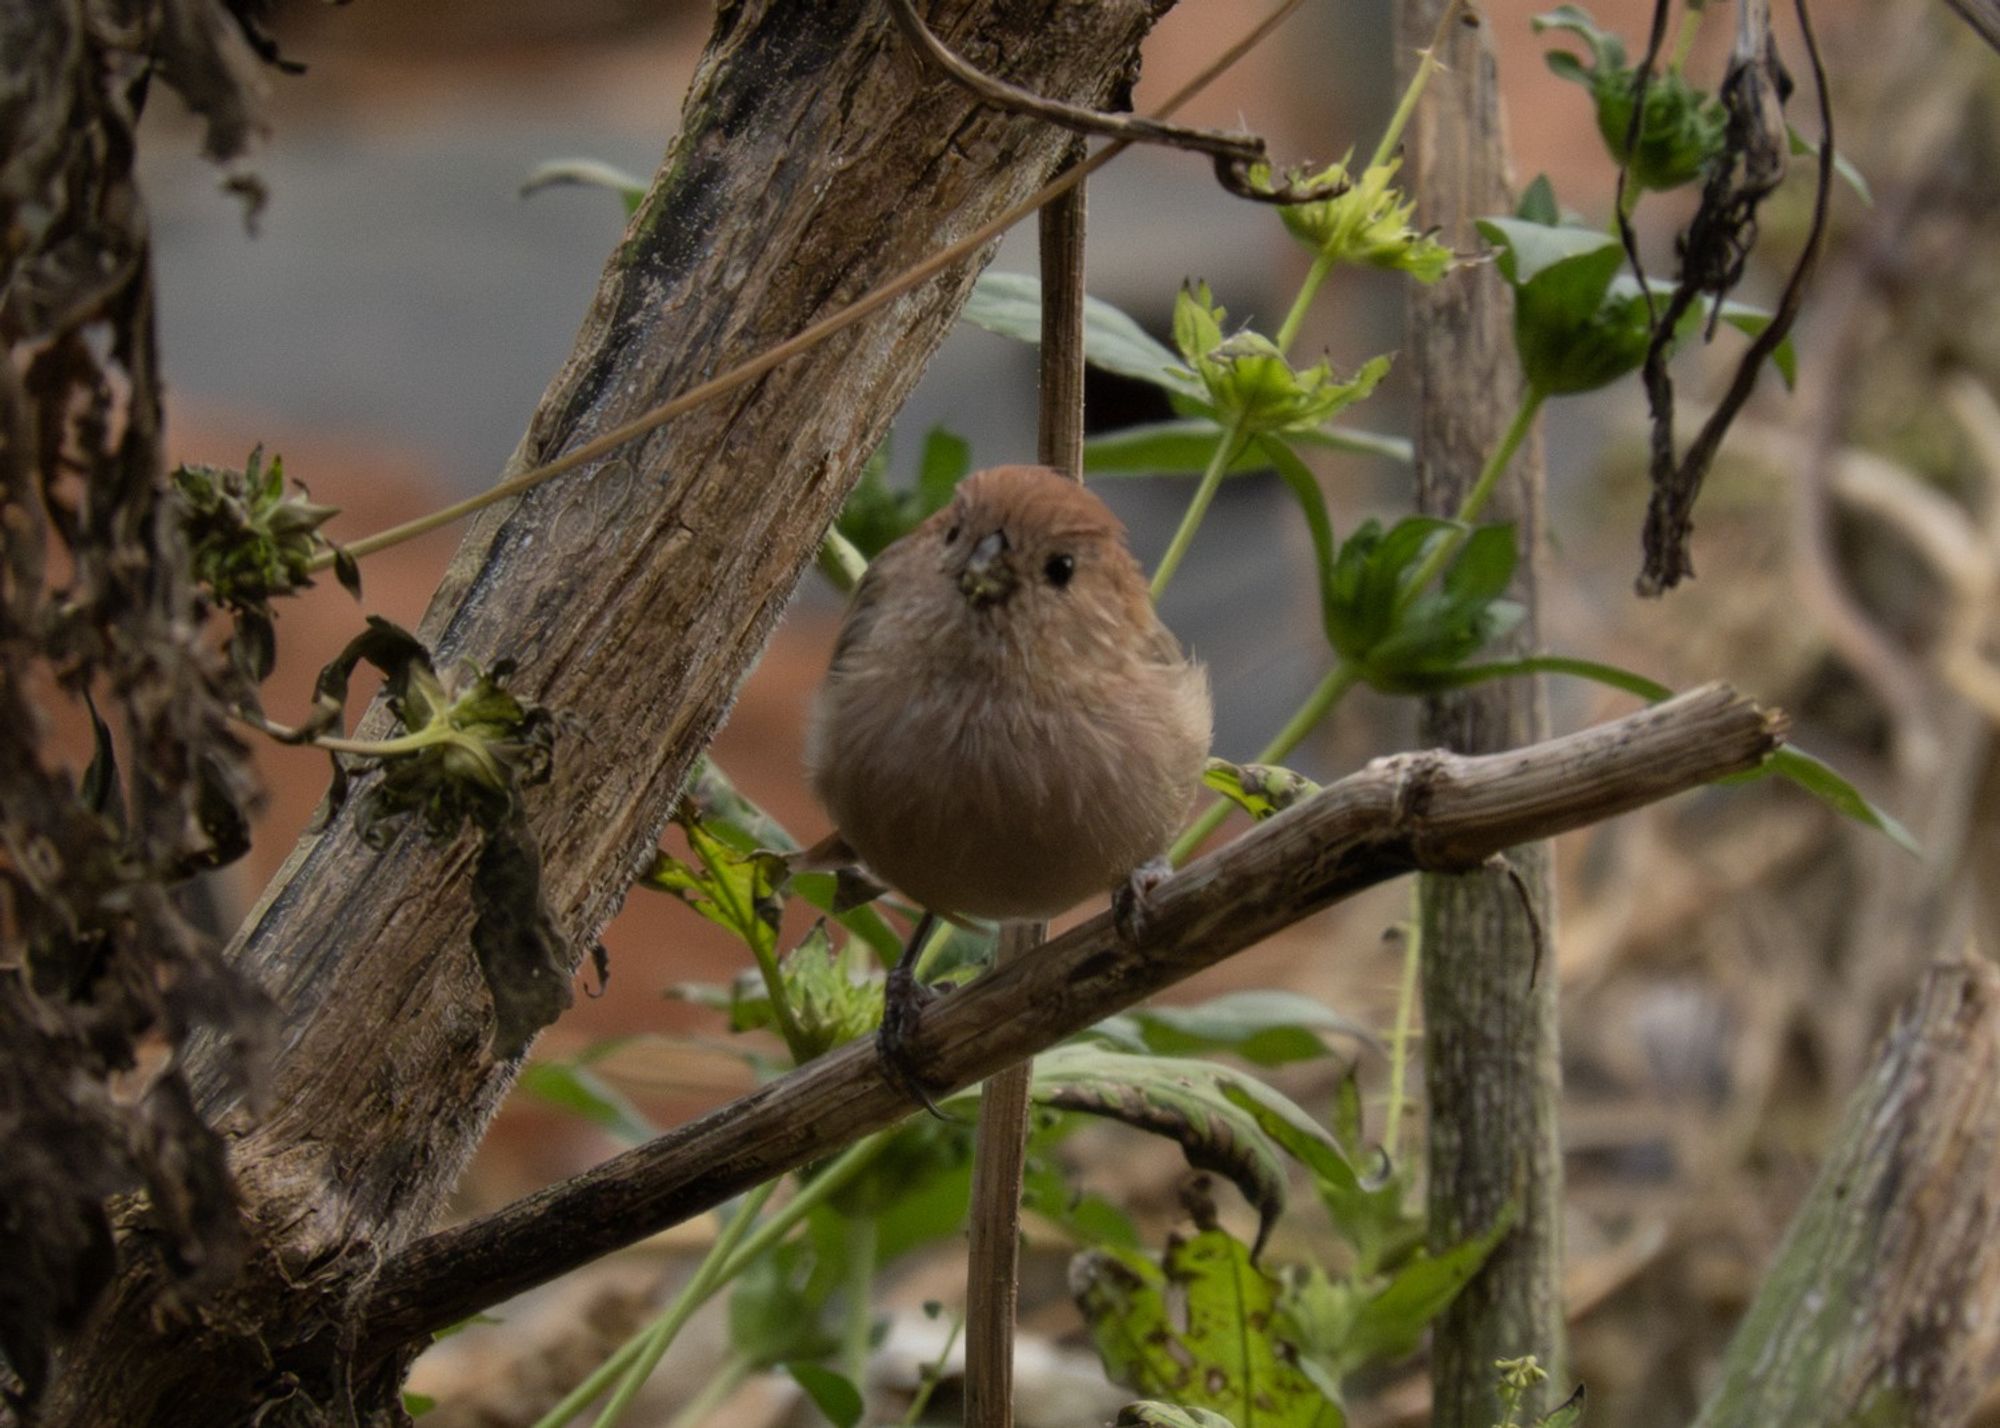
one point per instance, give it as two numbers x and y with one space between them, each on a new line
816 159
1880 1305
1490 1036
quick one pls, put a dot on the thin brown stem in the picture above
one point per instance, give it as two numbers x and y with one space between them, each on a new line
993 1261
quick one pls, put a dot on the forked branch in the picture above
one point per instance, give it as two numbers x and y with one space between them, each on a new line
1432 811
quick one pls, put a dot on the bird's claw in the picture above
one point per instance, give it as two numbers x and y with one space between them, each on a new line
903 1000
1131 901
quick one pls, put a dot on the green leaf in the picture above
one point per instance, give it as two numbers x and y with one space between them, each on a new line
1853 177
1389 1323
1150 1414
1397 637
1010 304
417 1404
741 824
1538 201
777 1307
1814 775
1185 447
1260 790
1091 1218
1750 321
1218 1347
589 173
1368 225
945 461
831 1393
1305 489
1682 128
1824 782
1249 382
1368 1213
583 1092
732 888
1573 330
1201 1105
1608 674
1567 1414
1266 1028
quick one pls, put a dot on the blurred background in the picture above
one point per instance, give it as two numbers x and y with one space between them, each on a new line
1726 961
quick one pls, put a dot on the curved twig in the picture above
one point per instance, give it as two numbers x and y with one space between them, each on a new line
1234 154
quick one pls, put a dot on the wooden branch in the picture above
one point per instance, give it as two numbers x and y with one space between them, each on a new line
1492 1068
1429 810
812 165
1879 1306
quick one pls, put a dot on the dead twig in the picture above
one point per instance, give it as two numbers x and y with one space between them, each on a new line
1235 155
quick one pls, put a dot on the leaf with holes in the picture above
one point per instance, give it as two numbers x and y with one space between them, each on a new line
1200 1329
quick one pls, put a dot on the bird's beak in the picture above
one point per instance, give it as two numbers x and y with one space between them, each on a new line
987 578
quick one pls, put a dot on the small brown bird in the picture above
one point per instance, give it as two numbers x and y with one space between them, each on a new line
1007 727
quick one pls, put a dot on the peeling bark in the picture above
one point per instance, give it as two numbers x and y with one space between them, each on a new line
1879 1306
815 160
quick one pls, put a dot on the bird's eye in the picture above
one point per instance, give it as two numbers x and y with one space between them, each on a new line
951 535
1059 569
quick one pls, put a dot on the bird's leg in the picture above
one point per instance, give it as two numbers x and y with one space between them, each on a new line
1131 899
903 997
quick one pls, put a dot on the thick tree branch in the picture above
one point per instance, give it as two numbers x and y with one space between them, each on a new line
1878 1307
815 162
1434 811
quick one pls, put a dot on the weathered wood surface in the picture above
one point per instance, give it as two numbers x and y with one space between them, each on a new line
1490 1030
1882 1306
815 160
1431 810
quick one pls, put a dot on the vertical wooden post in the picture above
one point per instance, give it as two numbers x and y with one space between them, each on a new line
1490 1035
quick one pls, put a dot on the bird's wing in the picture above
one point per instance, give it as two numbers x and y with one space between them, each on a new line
862 612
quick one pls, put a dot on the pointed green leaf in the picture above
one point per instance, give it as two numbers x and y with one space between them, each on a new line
581 1091
1185 447
1852 176
831 1393
1389 1323
1824 782
1264 1027
1010 304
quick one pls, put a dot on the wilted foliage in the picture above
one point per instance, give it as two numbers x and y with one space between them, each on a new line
102 981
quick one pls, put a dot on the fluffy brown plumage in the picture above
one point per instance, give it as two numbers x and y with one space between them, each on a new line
1007 727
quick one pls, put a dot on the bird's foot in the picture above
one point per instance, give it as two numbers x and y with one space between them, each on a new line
1131 901
903 1000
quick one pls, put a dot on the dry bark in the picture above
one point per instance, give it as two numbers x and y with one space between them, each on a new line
1435 811
1490 1032
1879 1306
815 161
